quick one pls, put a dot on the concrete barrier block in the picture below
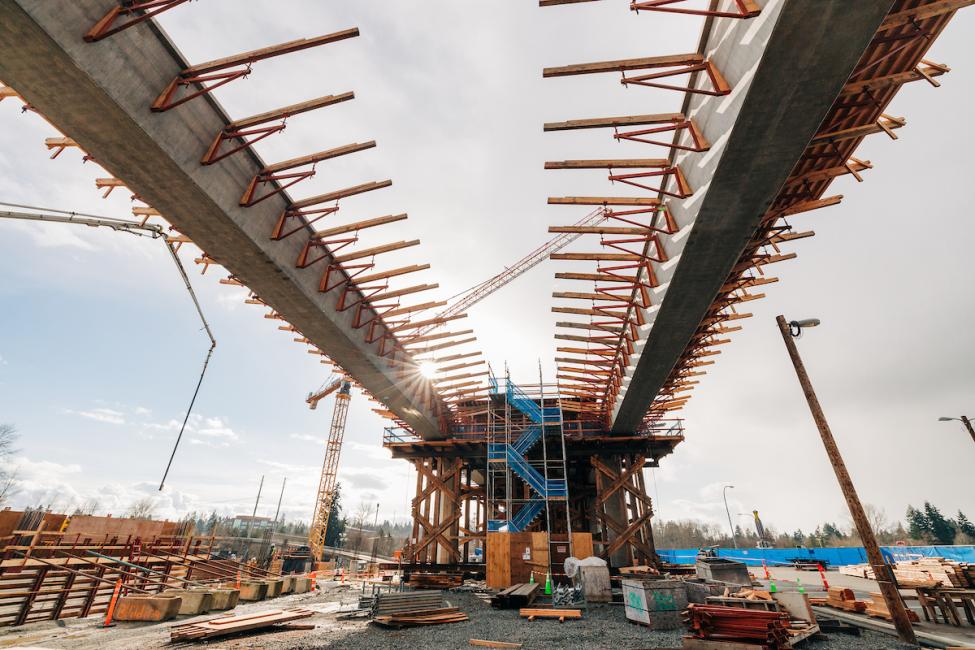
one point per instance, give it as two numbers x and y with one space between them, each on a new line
288 585
303 584
224 598
151 608
195 601
274 588
251 591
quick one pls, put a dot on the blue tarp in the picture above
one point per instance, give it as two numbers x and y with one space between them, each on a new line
835 556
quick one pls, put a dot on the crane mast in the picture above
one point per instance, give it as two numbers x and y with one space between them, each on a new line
329 478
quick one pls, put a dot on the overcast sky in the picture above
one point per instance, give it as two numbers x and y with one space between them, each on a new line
100 346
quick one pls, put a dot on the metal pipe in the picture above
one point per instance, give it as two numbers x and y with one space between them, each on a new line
724 495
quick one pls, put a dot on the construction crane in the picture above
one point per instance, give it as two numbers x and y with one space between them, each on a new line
763 540
328 483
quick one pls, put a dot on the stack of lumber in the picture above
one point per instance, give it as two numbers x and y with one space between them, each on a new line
421 617
926 572
748 626
516 596
435 580
841 598
752 594
396 602
561 614
234 624
640 571
877 607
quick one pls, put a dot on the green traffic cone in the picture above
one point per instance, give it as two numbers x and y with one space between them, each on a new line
548 584
531 579
802 589
771 587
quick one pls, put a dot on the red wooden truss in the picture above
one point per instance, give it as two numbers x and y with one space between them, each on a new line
664 123
247 131
128 14
202 78
745 8
666 66
280 175
658 168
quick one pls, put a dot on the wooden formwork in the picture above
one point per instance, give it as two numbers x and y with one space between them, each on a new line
56 576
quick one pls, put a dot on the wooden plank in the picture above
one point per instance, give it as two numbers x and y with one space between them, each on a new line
375 250
618 163
287 111
599 230
603 200
318 156
606 122
340 194
498 570
550 613
359 225
622 65
266 52
482 643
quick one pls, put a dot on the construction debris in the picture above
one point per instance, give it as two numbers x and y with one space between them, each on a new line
233 624
842 598
422 617
395 603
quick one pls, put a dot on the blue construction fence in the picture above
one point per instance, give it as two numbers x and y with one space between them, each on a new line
830 557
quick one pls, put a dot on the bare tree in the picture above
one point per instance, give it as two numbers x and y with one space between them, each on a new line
87 507
142 509
8 478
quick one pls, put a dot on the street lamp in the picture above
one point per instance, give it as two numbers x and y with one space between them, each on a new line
884 576
724 495
964 420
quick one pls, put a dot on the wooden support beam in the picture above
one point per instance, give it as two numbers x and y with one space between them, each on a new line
267 52
375 250
927 71
618 163
623 65
403 292
359 225
600 230
597 257
596 277
434 337
604 200
439 320
576 295
885 124
318 156
807 206
340 194
610 122
409 310
923 12
288 111
403 270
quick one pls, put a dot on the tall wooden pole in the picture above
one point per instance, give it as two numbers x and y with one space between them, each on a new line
881 569
968 425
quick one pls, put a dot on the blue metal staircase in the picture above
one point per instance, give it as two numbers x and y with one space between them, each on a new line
514 456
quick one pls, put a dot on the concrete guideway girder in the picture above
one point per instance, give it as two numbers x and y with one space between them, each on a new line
780 95
101 93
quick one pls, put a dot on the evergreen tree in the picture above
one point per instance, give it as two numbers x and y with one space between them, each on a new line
336 522
964 525
918 524
943 530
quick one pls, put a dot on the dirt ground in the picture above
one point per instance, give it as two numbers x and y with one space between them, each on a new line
603 626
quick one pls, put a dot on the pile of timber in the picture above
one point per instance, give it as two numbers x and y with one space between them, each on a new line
745 626
435 580
421 617
224 625
926 572
516 596
639 571
840 598
561 614
406 601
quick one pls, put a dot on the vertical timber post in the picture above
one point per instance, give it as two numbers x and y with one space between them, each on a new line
882 571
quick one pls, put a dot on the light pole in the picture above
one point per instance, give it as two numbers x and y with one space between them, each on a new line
724 495
884 576
964 420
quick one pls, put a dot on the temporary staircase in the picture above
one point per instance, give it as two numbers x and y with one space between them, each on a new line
514 457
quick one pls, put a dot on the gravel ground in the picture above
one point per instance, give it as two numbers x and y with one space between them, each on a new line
603 626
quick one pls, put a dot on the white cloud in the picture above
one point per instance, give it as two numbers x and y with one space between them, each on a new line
304 437
109 416
141 410
3 361
215 428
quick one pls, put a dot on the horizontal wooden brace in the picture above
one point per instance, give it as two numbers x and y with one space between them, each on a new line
403 292
434 337
340 194
403 270
618 163
623 65
600 230
318 156
288 111
375 250
608 122
267 52
359 225
604 200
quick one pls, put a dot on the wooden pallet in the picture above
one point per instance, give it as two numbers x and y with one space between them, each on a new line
516 596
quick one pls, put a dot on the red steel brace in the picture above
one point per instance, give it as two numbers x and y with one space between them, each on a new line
746 8
718 83
700 142
137 11
683 190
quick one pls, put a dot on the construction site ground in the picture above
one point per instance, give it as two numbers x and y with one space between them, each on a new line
603 626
